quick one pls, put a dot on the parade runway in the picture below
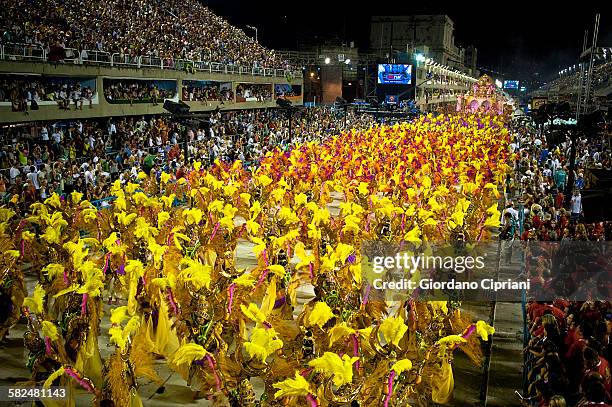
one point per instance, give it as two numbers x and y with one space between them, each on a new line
468 377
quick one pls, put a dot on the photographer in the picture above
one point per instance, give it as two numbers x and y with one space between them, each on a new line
508 233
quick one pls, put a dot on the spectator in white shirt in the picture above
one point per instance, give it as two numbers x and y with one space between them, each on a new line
123 177
33 176
44 134
510 209
576 205
91 141
89 177
555 164
14 173
57 136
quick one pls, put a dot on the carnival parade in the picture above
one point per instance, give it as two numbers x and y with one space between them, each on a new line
166 251
188 217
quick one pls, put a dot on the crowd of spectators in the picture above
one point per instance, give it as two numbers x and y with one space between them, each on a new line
569 82
25 92
283 90
203 91
435 78
248 91
569 348
38 159
135 90
169 29
542 176
437 94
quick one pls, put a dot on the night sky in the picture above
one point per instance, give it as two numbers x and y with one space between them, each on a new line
518 40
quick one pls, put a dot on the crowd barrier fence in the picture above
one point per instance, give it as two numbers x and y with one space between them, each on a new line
37 53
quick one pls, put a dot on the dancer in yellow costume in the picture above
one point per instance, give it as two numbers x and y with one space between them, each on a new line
304 214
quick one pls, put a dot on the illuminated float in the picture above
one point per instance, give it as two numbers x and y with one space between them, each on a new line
484 97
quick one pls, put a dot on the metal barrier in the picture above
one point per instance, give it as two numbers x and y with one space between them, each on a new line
184 65
97 57
216 67
231 69
203 66
125 60
23 52
31 52
150 61
120 60
72 55
168 63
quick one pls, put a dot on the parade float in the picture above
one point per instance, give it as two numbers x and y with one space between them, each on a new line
484 97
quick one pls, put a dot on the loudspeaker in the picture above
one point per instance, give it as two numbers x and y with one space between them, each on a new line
591 123
563 109
176 108
284 103
340 101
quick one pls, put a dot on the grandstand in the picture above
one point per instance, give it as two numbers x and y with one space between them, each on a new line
54 60
566 86
131 29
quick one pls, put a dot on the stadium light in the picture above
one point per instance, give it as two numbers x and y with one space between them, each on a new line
327 60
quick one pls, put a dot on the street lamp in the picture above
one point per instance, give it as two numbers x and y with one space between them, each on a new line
327 60
255 29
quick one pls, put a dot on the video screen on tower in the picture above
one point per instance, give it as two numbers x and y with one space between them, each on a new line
394 74
511 84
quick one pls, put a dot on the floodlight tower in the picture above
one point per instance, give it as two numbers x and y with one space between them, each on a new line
586 71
